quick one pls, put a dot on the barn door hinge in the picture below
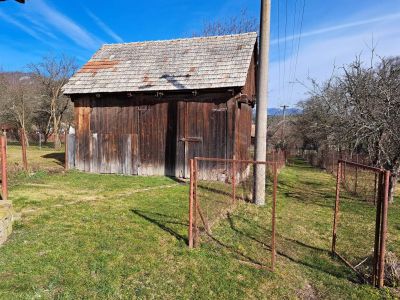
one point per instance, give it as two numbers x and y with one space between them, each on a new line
191 139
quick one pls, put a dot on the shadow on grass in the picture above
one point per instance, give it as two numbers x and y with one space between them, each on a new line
313 257
176 179
214 190
59 157
162 221
230 248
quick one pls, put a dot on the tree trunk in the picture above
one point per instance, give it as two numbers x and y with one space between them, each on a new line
26 139
56 133
25 136
45 138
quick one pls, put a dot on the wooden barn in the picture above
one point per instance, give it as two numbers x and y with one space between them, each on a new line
147 108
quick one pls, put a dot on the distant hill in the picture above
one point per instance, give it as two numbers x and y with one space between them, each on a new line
279 111
15 75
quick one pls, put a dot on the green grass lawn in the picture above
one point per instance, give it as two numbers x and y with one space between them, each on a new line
116 237
39 158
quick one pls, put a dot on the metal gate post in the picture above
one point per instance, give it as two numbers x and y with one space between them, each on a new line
377 230
273 238
383 233
336 214
190 233
196 205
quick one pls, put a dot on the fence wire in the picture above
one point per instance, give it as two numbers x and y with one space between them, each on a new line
359 222
217 188
327 159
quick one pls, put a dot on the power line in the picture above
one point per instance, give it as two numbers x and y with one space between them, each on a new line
292 49
284 54
279 52
298 43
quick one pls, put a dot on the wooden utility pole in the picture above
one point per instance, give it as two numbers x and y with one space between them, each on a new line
262 103
284 123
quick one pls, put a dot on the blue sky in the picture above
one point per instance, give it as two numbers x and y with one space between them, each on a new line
333 32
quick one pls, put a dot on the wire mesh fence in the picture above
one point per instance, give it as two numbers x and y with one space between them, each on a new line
278 156
355 178
360 182
360 219
327 159
26 155
216 187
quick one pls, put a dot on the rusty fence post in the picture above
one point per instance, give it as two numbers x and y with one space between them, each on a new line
273 155
195 205
356 181
336 213
383 233
3 150
234 179
273 238
377 230
344 169
333 162
23 144
190 232
375 188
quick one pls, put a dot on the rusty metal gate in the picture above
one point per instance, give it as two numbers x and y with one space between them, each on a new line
216 186
371 186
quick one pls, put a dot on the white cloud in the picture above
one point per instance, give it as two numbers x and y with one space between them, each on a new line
49 26
338 27
104 27
21 26
56 20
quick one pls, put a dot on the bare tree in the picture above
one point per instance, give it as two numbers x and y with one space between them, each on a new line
18 99
358 109
52 73
232 25
41 120
373 96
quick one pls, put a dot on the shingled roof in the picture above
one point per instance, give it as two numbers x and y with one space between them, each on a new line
183 64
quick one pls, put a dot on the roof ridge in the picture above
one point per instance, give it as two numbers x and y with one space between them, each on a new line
184 39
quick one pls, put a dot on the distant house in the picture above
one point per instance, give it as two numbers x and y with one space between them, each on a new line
147 108
6 129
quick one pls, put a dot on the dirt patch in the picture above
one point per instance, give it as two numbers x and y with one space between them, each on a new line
307 293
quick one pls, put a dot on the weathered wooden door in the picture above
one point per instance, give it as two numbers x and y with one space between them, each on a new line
190 141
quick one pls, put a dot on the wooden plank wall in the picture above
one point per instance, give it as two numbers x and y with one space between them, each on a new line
157 132
111 134
249 88
243 132
207 125
142 136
